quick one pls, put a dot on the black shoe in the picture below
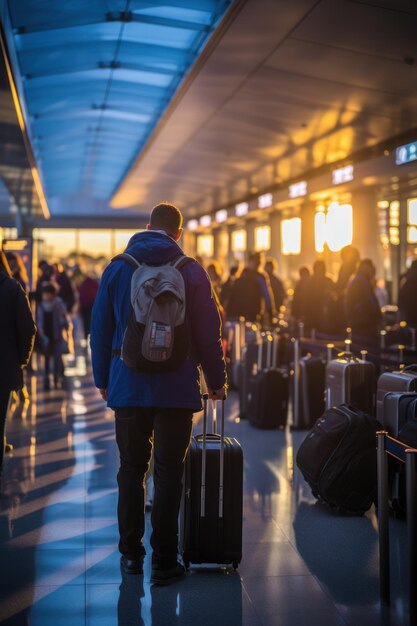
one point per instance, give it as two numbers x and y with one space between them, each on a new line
166 576
130 566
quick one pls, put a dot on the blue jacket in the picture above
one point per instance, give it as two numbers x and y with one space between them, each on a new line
177 389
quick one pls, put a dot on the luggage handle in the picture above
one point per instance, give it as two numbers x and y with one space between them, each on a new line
275 349
269 341
204 437
260 350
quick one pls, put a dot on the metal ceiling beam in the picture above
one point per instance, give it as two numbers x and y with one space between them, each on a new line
115 16
103 65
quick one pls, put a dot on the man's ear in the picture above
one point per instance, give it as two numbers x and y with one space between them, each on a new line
178 235
148 227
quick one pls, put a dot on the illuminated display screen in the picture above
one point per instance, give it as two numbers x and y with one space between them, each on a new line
406 154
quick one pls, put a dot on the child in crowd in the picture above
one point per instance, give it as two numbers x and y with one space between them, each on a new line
54 329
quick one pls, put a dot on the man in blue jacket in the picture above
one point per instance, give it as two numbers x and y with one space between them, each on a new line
158 405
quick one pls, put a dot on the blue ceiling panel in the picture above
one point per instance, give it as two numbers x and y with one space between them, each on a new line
97 76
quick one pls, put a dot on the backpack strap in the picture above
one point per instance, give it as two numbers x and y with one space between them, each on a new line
181 261
125 256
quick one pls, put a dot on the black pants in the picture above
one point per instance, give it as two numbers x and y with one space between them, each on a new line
171 432
53 351
4 403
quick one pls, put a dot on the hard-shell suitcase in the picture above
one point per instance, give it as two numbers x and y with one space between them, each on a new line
400 420
350 380
338 459
212 499
268 393
239 334
311 390
248 362
403 381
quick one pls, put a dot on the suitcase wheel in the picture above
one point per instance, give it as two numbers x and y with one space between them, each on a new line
235 565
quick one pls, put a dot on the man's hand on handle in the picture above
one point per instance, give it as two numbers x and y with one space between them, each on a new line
103 393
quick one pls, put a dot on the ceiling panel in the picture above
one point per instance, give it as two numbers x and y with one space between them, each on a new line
104 68
327 79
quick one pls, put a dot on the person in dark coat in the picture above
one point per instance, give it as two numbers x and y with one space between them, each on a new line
154 407
271 269
87 292
66 290
227 289
319 296
246 299
54 329
18 269
17 334
362 308
407 297
298 306
350 259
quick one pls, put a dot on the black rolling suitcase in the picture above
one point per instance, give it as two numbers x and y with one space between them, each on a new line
338 459
212 500
403 381
400 420
247 364
311 391
268 391
350 380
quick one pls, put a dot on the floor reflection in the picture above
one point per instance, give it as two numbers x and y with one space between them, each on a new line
59 562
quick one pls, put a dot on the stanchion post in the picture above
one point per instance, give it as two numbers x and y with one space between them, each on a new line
296 407
383 519
411 486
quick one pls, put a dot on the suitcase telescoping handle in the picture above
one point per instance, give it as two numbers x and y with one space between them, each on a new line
204 457
260 349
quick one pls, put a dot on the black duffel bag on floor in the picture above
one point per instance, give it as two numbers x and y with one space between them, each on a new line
338 459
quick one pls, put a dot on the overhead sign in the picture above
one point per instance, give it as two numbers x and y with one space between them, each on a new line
24 248
265 200
406 154
298 189
241 209
342 175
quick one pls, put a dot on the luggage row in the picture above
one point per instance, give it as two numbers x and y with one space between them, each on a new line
271 374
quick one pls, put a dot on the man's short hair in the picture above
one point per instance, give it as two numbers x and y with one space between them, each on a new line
167 217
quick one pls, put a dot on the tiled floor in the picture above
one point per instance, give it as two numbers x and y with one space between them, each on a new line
302 565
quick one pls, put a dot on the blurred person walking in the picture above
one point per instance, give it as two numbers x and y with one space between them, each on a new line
277 286
17 334
87 293
66 290
319 296
54 329
18 270
226 293
298 300
214 270
252 296
363 313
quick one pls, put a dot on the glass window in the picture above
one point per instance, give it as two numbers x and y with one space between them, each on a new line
205 246
339 226
291 236
412 211
239 241
262 238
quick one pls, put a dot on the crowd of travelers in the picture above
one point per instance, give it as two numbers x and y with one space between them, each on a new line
154 407
329 305
40 319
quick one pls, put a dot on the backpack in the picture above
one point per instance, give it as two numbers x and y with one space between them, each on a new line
156 337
